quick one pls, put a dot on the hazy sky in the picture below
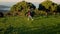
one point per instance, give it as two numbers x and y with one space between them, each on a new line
21 0
15 1
57 1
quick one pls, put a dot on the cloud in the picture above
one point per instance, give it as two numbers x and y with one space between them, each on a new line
10 0
34 0
56 1
39 1
20 0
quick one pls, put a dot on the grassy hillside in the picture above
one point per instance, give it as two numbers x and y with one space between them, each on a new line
20 25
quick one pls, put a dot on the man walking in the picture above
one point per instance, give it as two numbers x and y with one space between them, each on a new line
29 15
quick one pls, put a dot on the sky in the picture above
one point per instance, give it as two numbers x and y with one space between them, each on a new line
20 0
39 1
36 2
57 1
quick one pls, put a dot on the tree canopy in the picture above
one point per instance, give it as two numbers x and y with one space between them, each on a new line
49 5
22 7
46 7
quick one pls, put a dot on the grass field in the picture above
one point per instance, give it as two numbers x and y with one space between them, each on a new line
20 25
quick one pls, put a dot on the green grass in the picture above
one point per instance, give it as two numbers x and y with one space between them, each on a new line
20 25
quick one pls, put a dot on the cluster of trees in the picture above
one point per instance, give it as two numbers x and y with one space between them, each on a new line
46 7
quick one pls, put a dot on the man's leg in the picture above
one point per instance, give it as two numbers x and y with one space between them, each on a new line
31 18
28 18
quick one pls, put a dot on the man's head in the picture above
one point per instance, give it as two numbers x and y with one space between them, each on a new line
31 8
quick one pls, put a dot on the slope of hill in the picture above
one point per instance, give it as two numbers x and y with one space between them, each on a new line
3 6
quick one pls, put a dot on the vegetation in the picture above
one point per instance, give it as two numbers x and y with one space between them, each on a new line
41 23
48 6
22 7
20 25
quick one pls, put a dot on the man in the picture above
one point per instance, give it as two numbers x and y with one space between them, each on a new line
29 14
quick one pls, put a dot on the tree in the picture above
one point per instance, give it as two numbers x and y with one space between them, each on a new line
48 6
22 7
58 8
1 14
